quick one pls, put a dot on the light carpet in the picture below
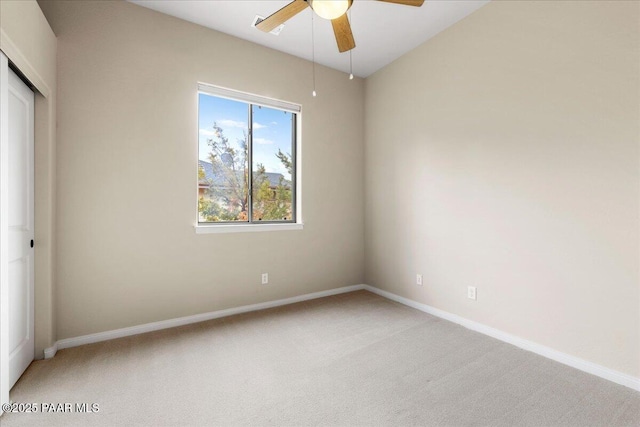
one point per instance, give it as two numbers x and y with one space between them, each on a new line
351 359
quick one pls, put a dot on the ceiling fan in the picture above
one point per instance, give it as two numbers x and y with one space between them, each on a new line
333 10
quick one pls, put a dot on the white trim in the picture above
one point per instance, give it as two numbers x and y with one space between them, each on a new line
251 98
549 353
243 228
15 55
4 229
180 321
49 352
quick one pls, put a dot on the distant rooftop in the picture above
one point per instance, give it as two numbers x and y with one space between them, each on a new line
216 179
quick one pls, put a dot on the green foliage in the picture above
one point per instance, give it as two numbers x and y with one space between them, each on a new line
286 160
270 204
210 211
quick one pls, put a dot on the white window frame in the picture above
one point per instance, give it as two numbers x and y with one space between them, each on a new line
222 92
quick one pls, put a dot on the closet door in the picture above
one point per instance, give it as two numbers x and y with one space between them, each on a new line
20 225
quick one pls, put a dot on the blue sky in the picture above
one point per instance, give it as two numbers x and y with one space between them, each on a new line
271 129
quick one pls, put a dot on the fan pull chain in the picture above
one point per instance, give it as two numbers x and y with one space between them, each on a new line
350 66
313 57
350 51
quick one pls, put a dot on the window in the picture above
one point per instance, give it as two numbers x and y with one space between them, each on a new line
246 158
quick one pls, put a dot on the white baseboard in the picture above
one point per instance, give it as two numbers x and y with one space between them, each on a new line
566 359
180 321
49 352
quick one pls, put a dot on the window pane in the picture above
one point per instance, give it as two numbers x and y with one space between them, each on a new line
273 151
223 172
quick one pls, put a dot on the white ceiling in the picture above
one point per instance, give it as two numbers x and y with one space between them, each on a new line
382 31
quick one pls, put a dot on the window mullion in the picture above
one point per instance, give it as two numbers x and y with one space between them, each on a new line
250 161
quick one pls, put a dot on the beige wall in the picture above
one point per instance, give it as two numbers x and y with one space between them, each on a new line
127 165
503 154
29 42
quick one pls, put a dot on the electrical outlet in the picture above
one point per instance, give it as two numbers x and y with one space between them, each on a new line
265 278
419 279
471 292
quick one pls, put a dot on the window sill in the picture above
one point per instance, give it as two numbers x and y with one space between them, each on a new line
245 228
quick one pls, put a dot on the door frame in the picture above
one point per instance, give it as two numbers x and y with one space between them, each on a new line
4 228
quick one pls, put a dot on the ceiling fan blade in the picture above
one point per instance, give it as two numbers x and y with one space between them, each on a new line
344 36
281 16
416 3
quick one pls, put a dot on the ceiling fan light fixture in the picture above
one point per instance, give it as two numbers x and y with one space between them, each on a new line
330 9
